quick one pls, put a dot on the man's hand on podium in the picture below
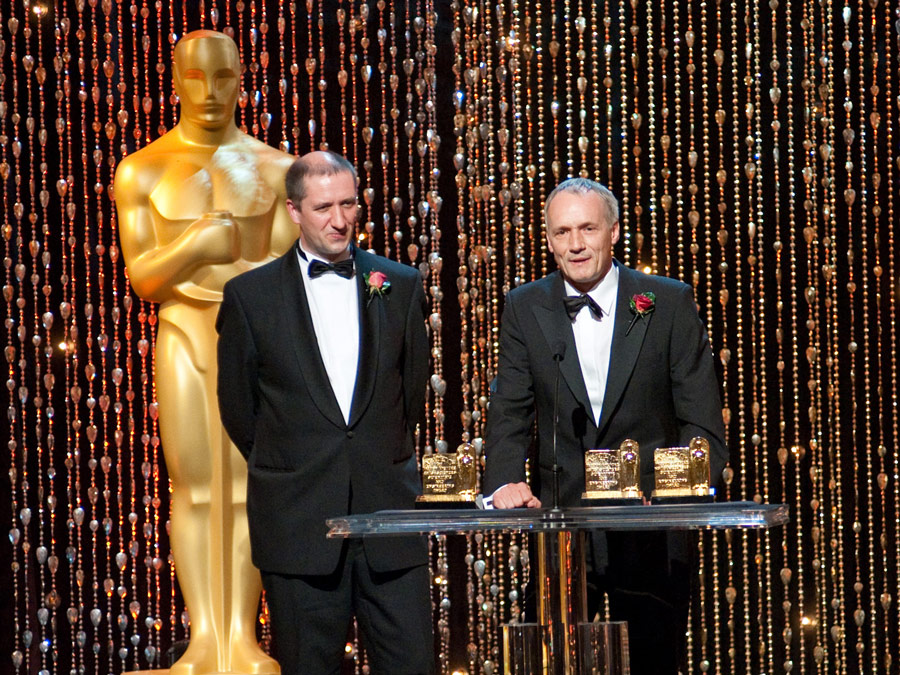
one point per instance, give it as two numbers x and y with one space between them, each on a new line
515 495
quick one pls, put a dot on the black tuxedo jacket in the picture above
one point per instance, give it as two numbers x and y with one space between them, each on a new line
305 462
661 389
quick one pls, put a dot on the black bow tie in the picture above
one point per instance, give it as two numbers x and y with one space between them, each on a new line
344 268
575 303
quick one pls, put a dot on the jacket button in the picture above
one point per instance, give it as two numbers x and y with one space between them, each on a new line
350 434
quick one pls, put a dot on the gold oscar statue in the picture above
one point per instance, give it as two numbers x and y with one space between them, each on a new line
198 206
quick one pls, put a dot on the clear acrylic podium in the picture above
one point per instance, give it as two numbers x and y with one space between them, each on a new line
562 603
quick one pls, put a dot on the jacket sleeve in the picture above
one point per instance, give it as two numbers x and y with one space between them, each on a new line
695 388
237 384
415 360
511 413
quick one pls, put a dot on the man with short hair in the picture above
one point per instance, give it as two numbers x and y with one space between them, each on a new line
323 362
635 363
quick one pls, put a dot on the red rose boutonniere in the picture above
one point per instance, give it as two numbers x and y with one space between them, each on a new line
377 283
641 305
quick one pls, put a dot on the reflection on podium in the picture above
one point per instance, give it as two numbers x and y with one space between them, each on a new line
603 648
562 600
561 535
525 648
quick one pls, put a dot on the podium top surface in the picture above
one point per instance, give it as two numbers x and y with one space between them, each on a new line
722 516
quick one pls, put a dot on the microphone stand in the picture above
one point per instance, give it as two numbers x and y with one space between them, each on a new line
558 357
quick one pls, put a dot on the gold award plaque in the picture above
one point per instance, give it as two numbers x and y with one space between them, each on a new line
449 477
682 472
613 474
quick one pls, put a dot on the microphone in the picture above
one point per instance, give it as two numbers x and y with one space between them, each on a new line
559 353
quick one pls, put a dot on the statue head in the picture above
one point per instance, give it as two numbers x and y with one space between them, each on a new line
207 73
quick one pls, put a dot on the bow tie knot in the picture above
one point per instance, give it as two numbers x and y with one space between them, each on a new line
344 268
575 303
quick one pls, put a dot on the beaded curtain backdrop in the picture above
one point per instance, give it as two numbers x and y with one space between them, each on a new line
752 146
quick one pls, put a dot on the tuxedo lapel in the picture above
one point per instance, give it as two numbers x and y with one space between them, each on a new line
626 344
302 336
371 310
556 326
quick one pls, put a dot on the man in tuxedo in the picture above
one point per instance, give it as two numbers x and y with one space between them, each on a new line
634 362
323 362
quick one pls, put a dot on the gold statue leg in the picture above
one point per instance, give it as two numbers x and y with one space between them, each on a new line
246 656
209 536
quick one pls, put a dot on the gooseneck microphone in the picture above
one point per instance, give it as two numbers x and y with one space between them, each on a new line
559 353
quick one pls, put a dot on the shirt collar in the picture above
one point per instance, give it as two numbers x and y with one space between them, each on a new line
604 291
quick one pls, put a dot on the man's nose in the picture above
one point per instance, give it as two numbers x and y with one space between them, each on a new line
577 241
339 218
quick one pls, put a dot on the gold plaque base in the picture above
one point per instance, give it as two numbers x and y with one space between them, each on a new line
449 501
610 498
682 496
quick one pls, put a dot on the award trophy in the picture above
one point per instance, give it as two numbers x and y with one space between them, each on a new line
612 477
448 480
682 474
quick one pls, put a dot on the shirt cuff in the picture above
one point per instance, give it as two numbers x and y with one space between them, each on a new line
489 501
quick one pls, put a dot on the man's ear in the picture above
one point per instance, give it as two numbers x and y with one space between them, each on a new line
616 231
293 211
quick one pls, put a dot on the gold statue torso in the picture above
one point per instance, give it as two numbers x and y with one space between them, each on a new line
227 179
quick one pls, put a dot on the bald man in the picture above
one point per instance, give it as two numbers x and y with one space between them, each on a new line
323 361
196 207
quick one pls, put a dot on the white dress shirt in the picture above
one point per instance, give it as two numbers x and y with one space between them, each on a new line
334 306
593 338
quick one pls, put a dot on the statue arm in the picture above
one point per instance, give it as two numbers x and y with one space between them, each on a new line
155 268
